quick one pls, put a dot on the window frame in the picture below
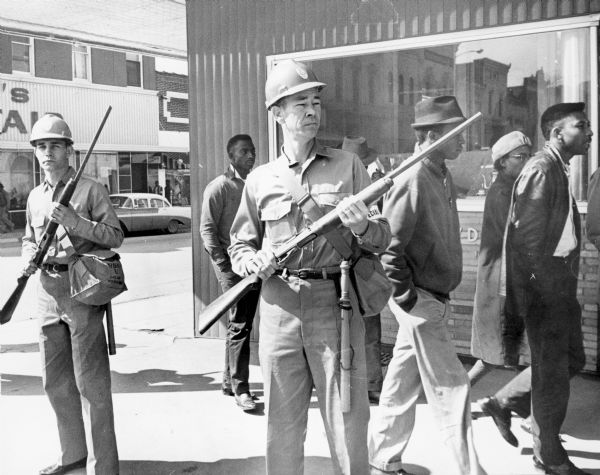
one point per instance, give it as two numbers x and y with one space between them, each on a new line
140 60
590 22
31 71
88 62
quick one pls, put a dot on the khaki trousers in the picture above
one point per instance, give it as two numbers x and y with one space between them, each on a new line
424 358
299 349
76 375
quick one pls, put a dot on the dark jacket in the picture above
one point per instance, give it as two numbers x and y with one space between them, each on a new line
488 311
425 251
592 222
538 216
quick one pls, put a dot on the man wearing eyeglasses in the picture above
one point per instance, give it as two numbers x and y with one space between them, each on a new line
497 335
542 257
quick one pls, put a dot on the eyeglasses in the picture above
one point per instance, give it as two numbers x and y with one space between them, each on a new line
521 156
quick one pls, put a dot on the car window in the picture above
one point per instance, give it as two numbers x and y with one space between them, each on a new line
156 203
142 203
120 202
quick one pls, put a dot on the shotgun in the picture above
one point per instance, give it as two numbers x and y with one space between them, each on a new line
330 221
38 258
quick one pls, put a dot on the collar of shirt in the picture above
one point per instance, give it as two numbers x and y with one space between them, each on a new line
236 174
63 179
440 170
315 152
554 151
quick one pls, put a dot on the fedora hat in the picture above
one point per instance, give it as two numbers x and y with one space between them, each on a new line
358 145
438 110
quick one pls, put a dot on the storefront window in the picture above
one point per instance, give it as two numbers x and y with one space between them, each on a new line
511 80
16 175
102 167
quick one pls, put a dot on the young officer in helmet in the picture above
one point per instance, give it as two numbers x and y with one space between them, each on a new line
300 318
75 368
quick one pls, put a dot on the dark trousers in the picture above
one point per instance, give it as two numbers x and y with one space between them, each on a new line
373 351
553 324
237 343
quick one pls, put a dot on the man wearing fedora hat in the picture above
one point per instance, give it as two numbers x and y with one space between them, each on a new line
424 264
367 155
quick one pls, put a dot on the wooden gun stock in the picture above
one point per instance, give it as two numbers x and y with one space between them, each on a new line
330 221
9 307
224 302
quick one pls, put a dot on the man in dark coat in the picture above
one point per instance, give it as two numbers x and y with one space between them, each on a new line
496 337
542 252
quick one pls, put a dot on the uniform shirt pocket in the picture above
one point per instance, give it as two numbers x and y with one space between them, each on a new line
328 200
37 221
279 223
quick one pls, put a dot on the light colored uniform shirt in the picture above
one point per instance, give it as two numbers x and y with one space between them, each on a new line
268 217
98 228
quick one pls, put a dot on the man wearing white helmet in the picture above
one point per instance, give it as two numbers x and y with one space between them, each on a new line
75 367
299 313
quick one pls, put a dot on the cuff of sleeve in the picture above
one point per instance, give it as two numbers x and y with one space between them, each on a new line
360 236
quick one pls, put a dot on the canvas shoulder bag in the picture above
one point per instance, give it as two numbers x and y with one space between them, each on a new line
95 278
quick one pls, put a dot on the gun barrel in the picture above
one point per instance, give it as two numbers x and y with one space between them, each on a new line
331 220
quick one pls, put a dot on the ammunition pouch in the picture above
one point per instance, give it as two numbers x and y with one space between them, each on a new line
96 280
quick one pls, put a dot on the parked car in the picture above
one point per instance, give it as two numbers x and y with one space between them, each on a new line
148 211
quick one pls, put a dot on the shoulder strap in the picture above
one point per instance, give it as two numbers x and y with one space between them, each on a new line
311 209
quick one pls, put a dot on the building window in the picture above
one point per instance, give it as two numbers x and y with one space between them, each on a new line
400 89
372 86
21 54
81 63
516 90
134 69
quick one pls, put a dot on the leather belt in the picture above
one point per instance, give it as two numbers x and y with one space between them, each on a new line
48 267
306 274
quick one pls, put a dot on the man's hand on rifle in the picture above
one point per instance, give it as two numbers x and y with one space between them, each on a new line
29 270
64 215
263 264
354 213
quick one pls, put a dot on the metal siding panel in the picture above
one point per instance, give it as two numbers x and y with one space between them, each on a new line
53 60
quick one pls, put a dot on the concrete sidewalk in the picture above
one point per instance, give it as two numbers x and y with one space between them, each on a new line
171 417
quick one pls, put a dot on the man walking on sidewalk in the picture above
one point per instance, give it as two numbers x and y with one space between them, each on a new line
220 204
542 259
424 264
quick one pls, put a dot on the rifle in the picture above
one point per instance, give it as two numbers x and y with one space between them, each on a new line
330 221
38 258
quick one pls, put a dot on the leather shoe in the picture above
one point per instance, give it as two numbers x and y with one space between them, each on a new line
57 469
565 468
501 417
374 396
245 401
227 390
378 471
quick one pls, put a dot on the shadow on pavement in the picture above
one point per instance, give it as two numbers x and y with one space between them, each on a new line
20 348
145 381
249 466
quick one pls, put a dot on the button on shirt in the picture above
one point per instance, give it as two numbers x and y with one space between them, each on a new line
98 228
268 217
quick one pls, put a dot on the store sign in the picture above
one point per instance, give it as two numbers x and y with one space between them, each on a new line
133 121
11 118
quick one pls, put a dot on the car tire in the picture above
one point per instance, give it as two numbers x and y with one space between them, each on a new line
173 226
